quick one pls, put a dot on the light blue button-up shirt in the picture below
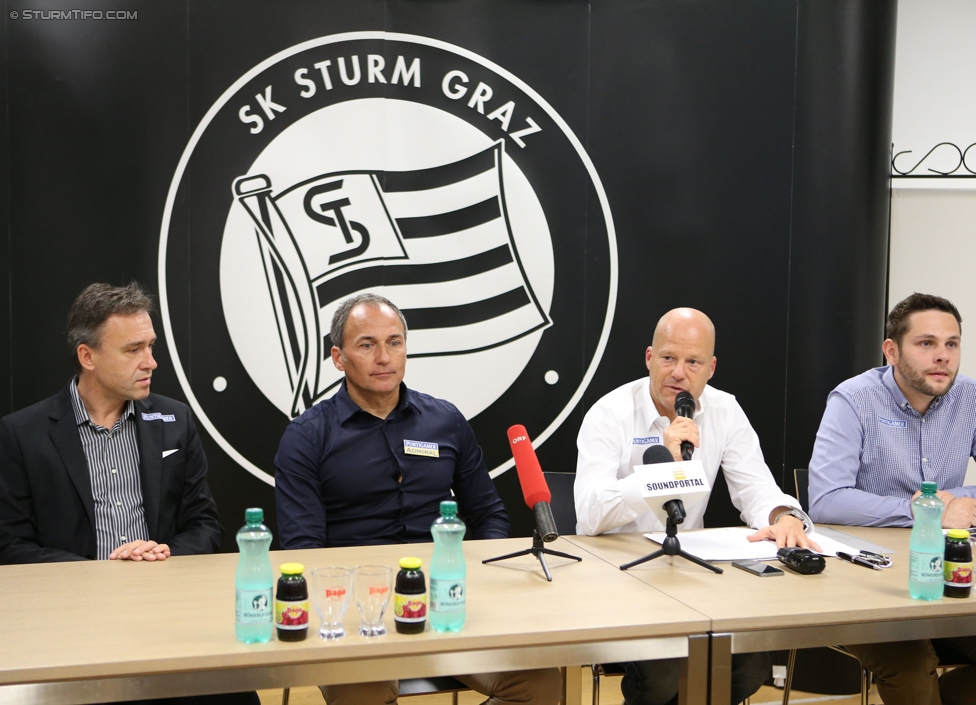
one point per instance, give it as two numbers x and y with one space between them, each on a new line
873 450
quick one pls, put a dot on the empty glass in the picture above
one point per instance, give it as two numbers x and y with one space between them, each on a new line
330 595
372 585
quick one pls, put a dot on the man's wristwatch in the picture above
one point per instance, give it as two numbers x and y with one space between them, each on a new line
795 513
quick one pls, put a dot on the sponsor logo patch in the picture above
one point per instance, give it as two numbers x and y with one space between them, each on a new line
647 440
430 450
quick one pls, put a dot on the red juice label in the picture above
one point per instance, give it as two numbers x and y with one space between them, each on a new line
291 615
410 608
958 574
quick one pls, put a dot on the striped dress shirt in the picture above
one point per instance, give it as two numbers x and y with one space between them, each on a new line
113 466
873 450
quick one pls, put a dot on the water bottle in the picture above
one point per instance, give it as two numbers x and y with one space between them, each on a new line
447 571
927 546
254 580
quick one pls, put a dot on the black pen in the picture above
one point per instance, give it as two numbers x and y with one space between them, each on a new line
857 560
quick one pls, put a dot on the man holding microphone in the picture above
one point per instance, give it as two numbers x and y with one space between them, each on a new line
618 429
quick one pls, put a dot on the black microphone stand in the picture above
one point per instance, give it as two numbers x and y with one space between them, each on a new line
672 547
539 551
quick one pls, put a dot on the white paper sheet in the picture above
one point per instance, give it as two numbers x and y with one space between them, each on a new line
730 544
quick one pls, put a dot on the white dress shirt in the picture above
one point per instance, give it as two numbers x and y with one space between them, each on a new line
618 429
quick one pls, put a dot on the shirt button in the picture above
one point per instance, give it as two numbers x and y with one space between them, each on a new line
122 537
114 471
118 504
925 460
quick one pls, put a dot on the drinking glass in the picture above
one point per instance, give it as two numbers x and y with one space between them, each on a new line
330 595
372 585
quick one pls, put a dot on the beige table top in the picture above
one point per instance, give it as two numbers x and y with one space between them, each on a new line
845 604
111 630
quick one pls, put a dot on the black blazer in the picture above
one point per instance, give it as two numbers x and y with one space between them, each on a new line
46 508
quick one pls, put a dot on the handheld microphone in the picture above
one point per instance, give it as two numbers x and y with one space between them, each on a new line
659 454
684 405
534 487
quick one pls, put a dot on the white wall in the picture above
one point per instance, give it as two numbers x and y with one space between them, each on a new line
935 90
933 221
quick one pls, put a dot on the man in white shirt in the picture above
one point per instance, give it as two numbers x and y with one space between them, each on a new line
618 429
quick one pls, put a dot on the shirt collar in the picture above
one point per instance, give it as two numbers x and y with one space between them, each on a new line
81 413
346 408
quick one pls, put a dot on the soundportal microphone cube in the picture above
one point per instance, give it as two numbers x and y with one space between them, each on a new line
662 482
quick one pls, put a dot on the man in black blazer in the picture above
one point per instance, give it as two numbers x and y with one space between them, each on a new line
47 511
104 469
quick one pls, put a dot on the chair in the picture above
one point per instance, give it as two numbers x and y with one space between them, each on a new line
801 481
417 686
563 503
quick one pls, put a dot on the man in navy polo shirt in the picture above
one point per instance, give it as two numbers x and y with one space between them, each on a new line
372 464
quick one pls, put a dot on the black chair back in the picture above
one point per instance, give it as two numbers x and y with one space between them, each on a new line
801 477
563 503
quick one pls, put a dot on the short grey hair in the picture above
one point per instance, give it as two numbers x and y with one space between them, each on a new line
345 308
93 307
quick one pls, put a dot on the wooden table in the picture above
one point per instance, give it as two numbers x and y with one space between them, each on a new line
846 604
113 630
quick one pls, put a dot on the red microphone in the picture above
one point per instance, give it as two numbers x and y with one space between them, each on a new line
534 487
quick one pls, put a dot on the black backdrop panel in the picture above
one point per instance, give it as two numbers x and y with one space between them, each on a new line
700 118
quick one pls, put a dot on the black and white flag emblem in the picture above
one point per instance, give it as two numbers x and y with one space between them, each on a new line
437 242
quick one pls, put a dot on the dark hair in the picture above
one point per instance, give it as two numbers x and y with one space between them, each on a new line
898 318
93 307
342 314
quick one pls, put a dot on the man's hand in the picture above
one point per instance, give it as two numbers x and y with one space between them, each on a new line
946 497
140 551
787 531
960 513
681 429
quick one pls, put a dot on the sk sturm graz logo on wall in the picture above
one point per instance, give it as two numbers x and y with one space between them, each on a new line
399 165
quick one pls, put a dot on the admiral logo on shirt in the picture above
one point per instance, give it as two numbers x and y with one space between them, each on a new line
421 448
891 422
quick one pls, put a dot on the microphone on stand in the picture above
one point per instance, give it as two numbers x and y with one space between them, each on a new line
684 405
675 508
659 454
535 489
537 497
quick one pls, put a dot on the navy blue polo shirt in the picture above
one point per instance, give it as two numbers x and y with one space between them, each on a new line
347 478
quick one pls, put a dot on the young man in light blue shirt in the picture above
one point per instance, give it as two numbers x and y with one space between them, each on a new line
883 433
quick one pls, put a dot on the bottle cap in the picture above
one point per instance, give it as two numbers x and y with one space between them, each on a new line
929 488
412 563
292 569
448 509
254 515
958 534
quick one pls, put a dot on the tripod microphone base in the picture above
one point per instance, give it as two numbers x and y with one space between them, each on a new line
672 547
539 551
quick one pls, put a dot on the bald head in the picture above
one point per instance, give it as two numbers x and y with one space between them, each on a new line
685 323
681 358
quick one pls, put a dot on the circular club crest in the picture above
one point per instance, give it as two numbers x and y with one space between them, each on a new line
403 166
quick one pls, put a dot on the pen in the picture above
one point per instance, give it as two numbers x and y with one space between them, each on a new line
857 560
